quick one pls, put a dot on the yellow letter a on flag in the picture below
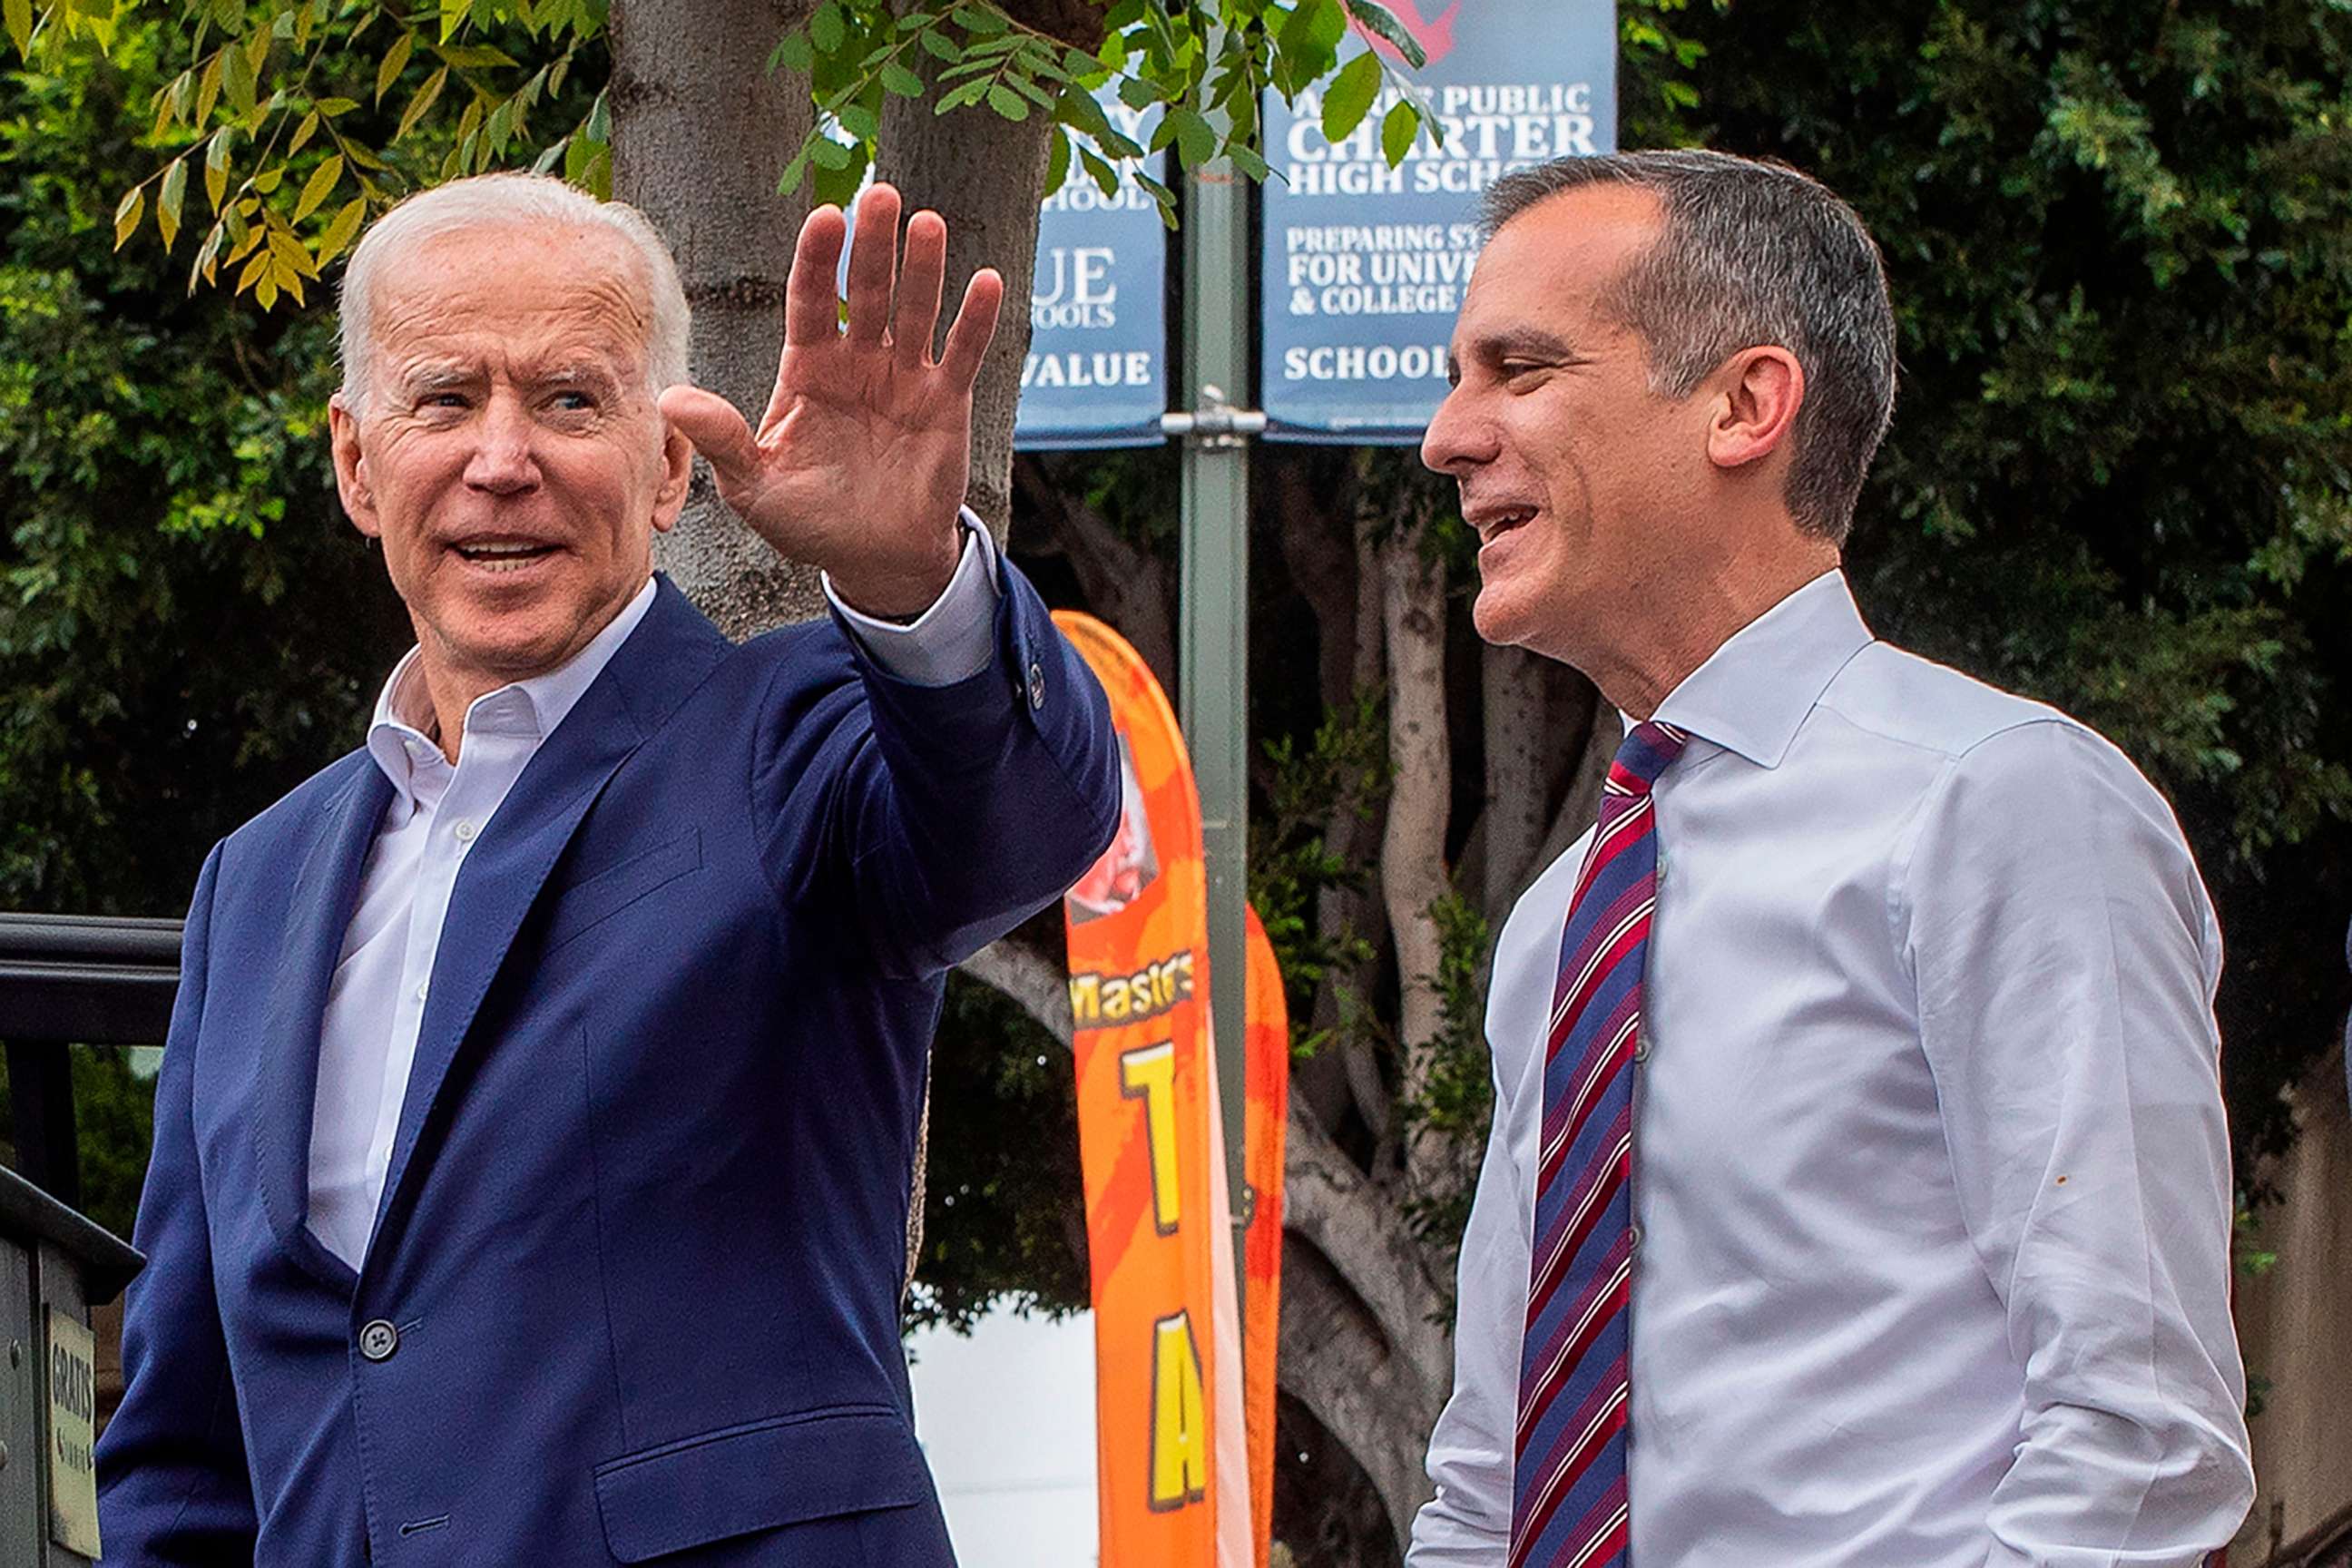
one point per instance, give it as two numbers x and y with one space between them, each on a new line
1179 1426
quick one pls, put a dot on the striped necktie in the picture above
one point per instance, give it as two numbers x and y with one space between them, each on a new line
1569 1504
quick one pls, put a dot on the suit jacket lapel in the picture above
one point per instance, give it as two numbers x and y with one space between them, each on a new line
287 1068
660 664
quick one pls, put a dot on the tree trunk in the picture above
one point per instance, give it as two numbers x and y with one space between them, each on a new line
1363 1334
986 175
1412 850
1521 726
701 132
1128 586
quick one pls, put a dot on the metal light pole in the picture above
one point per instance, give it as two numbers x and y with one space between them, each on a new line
1214 648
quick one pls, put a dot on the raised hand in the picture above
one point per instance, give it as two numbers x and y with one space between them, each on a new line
860 462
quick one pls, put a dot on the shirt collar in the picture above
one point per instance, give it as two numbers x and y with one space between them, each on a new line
531 708
1754 691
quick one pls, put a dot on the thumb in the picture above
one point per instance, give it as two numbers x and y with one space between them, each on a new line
717 429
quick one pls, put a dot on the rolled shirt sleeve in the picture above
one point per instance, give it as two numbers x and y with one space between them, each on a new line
2066 957
952 640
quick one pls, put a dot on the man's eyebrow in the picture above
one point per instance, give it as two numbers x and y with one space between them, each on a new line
578 372
1521 343
436 376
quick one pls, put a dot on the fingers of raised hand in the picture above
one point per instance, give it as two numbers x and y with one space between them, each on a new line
975 326
812 304
920 280
873 264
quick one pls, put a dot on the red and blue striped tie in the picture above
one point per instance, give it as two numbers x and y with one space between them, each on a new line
1569 1503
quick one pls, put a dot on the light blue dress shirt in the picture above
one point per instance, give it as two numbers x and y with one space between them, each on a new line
1932 1175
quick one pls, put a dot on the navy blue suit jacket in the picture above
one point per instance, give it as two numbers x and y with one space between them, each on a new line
642 1237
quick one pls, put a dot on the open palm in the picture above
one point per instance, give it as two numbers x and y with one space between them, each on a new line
860 462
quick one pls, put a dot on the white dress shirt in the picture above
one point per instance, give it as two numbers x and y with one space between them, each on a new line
1931 1174
375 1003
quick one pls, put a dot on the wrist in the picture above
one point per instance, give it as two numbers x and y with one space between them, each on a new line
900 591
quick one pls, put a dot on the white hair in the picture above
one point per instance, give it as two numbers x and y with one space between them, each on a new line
509 200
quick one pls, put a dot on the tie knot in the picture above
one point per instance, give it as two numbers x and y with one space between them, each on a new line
1649 748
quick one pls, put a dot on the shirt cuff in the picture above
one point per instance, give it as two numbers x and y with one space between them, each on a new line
952 640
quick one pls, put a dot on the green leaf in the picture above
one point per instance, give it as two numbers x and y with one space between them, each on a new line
1007 102
331 107
475 57
938 43
1106 178
600 121
1312 26
794 171
968 93
793 53
128 214
977 19
20 24
1246 159
829 153
1398 131
303 133
1196 140
395 60
839 186
1057 162
1349 97
342 228
421 104
318 187
452 17
898 79
208 87
168 104
859 121
216 168
1379 20
1136 93
169 199
826 29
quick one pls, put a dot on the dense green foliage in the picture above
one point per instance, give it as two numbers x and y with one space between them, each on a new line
187 627
2120 476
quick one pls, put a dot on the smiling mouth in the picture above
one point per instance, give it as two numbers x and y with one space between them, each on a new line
1493 525
504 555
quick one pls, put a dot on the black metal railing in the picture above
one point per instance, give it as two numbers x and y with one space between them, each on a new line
75 979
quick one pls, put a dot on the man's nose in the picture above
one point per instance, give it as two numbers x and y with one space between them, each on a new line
1457 438
503 462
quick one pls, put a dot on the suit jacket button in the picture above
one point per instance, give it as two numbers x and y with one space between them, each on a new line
1036 685
379 1340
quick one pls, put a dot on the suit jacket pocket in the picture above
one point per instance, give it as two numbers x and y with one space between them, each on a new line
761 1475
601 894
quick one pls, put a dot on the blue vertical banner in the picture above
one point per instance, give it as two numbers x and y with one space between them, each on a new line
1364 266
1096 374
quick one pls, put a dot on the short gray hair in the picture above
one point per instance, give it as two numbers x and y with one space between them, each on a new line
1751 253
509 200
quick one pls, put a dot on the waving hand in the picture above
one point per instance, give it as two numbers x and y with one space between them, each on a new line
860 462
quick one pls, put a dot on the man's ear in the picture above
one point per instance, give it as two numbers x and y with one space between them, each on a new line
351 467
1761 391
677 475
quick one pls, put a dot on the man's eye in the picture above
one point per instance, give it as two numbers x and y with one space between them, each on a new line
573 402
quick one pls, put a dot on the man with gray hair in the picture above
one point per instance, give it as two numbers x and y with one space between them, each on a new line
534 1136
1859 1189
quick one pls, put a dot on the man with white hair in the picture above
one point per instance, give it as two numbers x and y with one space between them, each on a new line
534 1135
